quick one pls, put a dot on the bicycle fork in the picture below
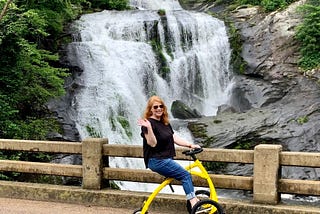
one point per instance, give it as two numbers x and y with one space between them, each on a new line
147 203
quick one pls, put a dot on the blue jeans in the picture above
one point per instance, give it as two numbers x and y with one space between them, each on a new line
171 169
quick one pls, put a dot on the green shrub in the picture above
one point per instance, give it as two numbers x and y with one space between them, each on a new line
161 12
239 64
93 132
214 166
268 5
302 120
110 4
308 33
164 68
271 5
125 125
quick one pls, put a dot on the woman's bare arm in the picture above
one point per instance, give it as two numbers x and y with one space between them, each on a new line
149 135
182 142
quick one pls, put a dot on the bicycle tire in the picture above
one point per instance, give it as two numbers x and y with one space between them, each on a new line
202 192
207 202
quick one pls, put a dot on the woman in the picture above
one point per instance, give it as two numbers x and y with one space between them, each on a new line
158 146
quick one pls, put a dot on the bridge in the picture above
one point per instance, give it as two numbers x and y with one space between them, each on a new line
266 183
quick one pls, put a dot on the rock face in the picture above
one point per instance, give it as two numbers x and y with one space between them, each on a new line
275 102
272 93
64 113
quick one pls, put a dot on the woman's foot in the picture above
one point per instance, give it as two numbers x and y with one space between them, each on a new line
193 201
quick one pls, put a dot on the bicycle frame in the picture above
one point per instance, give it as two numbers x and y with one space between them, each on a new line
202 173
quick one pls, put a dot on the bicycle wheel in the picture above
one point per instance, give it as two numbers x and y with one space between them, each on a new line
207 206
138 211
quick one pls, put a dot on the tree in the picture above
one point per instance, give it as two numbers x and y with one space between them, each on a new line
5 8
29 74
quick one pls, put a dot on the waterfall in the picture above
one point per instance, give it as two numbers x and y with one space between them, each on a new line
127 56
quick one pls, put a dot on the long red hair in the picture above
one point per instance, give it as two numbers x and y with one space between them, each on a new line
147 112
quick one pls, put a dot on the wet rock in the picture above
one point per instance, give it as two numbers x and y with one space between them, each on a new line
181 111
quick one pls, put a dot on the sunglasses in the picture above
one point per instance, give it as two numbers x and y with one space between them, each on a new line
156 107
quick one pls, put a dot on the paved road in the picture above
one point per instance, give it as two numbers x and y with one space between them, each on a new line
18 206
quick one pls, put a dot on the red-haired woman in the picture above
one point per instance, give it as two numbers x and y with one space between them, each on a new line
158 146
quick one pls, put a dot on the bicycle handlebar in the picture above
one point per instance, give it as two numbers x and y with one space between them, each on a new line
192 152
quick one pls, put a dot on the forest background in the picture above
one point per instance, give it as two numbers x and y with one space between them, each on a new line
33 34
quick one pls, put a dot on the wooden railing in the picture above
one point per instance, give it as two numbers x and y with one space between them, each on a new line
266 182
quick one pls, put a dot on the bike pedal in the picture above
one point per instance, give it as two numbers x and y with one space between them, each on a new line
203 210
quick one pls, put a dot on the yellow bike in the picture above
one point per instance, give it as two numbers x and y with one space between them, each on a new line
209 204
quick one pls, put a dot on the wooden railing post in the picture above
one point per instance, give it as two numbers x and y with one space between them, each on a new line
266 172
92 162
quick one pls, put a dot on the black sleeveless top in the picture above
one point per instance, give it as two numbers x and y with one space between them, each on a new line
165 143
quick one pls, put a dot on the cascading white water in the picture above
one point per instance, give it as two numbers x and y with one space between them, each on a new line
121 69
156 4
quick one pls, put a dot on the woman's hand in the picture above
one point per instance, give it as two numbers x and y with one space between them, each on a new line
194 146
144 122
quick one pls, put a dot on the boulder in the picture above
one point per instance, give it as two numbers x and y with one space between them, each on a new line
181 111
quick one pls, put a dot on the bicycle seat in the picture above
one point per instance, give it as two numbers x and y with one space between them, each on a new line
192 151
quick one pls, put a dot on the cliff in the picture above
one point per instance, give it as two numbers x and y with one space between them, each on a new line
274 101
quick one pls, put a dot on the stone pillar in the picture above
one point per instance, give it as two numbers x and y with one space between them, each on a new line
92 149
266 172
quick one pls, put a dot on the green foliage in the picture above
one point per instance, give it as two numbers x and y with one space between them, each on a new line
161 12
36 128
245 145
217 121
164 68
7 116
275 4
308 33
252 2
302 120
40 81
238 62
125 125
110 4
268 5
93 132
25 156
29 75
123 121
213 166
